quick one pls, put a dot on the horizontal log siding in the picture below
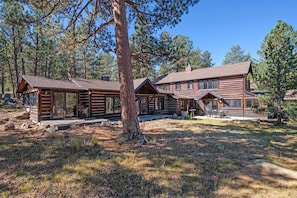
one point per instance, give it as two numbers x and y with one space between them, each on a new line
83 101
231 87
34 114
97 107
228 87
45 104
151 100
171 105
246 113
252 114
165 110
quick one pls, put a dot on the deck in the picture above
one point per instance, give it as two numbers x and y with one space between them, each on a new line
64 124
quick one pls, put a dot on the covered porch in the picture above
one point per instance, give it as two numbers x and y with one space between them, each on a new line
211 103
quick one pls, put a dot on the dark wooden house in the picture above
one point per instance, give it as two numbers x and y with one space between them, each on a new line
220 89
48 99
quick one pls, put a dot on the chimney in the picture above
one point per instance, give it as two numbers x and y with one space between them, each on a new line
105 78
189 68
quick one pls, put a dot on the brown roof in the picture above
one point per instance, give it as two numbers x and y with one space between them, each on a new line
97 84
109 85
79 84
47 83
206 73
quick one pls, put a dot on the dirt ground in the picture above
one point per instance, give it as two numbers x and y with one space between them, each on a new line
183 158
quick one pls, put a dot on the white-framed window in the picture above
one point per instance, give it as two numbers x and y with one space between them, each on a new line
232 103
177 86
208 84
190 84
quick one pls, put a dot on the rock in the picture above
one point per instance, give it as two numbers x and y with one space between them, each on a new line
24 116
116 123
43 125
9 126
174 116
25 125
274 169
105 124
52 129
3 120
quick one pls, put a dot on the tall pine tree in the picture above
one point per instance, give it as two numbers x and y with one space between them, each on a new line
276 72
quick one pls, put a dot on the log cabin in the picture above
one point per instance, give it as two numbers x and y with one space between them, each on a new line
48 99
216 90
209 91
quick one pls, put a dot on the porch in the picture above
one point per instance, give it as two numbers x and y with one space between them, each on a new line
63 124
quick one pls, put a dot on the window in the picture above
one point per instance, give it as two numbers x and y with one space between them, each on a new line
251 103
183 105
30 99
112 105
159 104
190 84
232 104
208 84
177 86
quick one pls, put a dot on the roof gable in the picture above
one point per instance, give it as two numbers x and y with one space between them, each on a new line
144 86
242 68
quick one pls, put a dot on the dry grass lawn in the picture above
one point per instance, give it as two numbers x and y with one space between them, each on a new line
184 158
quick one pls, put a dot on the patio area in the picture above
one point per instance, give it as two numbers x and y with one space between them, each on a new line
64 124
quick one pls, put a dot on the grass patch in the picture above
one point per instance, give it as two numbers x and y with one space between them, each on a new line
183 158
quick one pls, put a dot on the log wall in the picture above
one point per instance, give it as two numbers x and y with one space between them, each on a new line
97 104
45 104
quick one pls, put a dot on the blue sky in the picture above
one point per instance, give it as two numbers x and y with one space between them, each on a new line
217 25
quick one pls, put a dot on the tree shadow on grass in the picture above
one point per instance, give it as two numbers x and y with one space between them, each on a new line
220 154
174 163
66 165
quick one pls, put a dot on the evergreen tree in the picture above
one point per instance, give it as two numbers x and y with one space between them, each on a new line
276 72
144 51
199 59
236 55
99 16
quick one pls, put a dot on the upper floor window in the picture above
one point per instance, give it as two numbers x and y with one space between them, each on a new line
190 84
177 86
208 84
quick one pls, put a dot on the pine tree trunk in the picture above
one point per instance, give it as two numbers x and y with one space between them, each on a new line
36 55
127 94
15 59
2 79
9 69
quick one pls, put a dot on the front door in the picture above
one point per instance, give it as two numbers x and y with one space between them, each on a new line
210 107
64 104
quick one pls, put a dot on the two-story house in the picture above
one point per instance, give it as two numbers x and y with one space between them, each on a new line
212 90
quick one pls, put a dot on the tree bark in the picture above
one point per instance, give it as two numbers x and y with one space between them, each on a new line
9 69
2 79
15 58
36 54
127 94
